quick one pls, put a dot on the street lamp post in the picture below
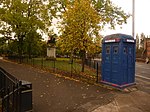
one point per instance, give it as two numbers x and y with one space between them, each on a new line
133 17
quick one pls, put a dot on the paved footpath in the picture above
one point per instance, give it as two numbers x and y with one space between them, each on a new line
55 94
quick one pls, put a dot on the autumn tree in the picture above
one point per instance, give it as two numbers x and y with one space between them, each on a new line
142 39
110 14
5 36
25 17
82 22
137 41
95 47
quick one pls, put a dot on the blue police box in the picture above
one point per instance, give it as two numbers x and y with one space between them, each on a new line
118 60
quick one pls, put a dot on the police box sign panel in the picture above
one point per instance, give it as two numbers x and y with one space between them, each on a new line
129 40
112 40
117 40
107 41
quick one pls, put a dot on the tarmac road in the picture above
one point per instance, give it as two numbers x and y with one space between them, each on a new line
143 76
143 69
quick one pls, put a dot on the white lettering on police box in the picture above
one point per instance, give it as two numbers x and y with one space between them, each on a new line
130 40
110 40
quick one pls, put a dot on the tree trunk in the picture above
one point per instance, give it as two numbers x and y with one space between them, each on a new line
20 54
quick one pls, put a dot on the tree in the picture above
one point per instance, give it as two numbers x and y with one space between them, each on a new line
95 47
82 21
137 41
138 49
142 39
80 24
110 14
3 46
32 43
25 17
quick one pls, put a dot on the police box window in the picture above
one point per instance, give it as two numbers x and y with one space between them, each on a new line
107 49
125 50
130 50
115 49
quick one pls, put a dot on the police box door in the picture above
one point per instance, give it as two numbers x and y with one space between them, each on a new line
107 63
115 65
111 70
128 63
131 62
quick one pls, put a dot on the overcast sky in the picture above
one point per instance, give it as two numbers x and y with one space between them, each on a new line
142 17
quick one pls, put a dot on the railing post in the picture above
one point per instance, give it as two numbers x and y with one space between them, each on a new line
97 73
19 92
54 65
71 67
33 62
3 100
27 60
1 79
94 64
7 100
16 106
42 63
13 98
4 82
30 61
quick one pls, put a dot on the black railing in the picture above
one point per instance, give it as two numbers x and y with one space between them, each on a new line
65 67
95 64
10 89
11 99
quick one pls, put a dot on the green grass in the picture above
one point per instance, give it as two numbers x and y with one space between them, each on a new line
61 64
63 59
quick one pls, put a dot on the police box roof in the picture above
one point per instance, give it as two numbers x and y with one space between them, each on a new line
118 35
117 38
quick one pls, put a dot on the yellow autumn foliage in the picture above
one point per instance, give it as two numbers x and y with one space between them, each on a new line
80 23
